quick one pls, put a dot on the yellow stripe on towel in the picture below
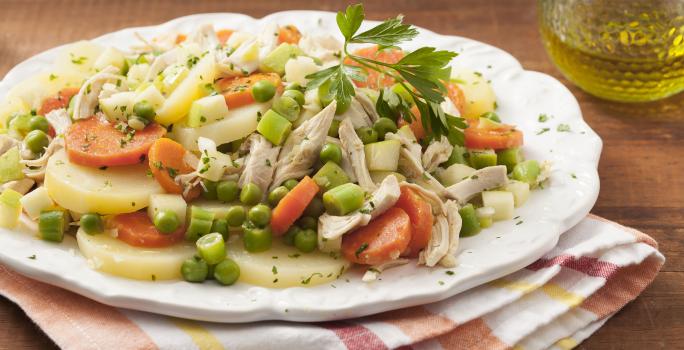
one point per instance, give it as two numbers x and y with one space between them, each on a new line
557 292
199 335
567 343
518 286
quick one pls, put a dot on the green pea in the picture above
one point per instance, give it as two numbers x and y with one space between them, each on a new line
367 135
331 153
39 122
289 236
36 141
227 191
295 95
144 109
227 272
294 86
257 239
166 221
384 125
259 215
194 269
287 107
209 189
220 226
263 91
315 208
250 194
277 195
92 223
306 241
235 215
308 223
290 184
334 130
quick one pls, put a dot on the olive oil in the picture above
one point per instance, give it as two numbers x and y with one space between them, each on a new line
624 50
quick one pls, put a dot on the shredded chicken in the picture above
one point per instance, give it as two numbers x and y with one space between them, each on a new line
302 146
374 272
268 39
438 246
409 143
59 120
455 223
204 36
161 62
324 47
436 153
86 99
368 106
332 227
259 164
481 180
353 147
357 114
7 142
346 162
159 44
413 169
22 186
429 196
35 168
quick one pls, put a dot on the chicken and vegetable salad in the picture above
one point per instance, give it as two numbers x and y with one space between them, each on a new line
278 159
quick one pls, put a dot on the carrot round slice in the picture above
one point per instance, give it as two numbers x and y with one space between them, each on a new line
375 79
289 34
223 35
382 240
60 101
416 125
166 161
138 230
420 215
503 137
456 96
97 143
291 207
238 91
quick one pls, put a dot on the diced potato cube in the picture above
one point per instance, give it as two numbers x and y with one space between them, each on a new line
110 57
501 201
36 201
163 201
520 190
10 208
152 95
118 106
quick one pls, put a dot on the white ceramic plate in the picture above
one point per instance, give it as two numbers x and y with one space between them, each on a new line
497 251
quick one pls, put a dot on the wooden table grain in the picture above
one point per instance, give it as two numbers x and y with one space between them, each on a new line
641 169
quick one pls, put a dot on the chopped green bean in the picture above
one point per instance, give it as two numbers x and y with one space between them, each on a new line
343 199
257 239
211 248
52 224
330 176
200 223
274 126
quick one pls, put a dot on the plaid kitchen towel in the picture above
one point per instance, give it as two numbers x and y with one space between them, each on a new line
555 303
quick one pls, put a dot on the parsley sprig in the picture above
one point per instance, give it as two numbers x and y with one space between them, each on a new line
420 72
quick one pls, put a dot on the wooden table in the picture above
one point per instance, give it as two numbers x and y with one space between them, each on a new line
642 166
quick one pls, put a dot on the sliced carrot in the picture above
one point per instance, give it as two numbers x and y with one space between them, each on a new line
238 91
420 215
138 230
60 101
291 207
166 161
456 96
96 143
382 240
375 79
505 136
181 38
223 35
416 125
289 34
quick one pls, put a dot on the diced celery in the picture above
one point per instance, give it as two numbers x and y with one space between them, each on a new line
275 61
36 201
509 157
520 190
485 215
212 162
454 174
501 201
10 166
10 208
52 224
171 77
152 95
482 158
457 156
378 176
470 223
118 106
330 176
274 127
343 199
171 202
527 171
207 110
382 156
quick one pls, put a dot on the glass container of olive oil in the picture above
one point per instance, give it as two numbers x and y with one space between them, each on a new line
621 50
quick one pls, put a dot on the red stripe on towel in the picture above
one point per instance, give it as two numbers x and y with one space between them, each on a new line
355 337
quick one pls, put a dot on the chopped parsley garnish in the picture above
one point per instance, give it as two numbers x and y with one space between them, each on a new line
274 270
543 118
563 128
361 248
543 130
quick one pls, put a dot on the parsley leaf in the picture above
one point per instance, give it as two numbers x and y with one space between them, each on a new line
350 21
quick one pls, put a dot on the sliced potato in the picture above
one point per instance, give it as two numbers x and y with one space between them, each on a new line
239 123
8 107
32 91
115 190
110 255
178 103
284 266
478 93
79 56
